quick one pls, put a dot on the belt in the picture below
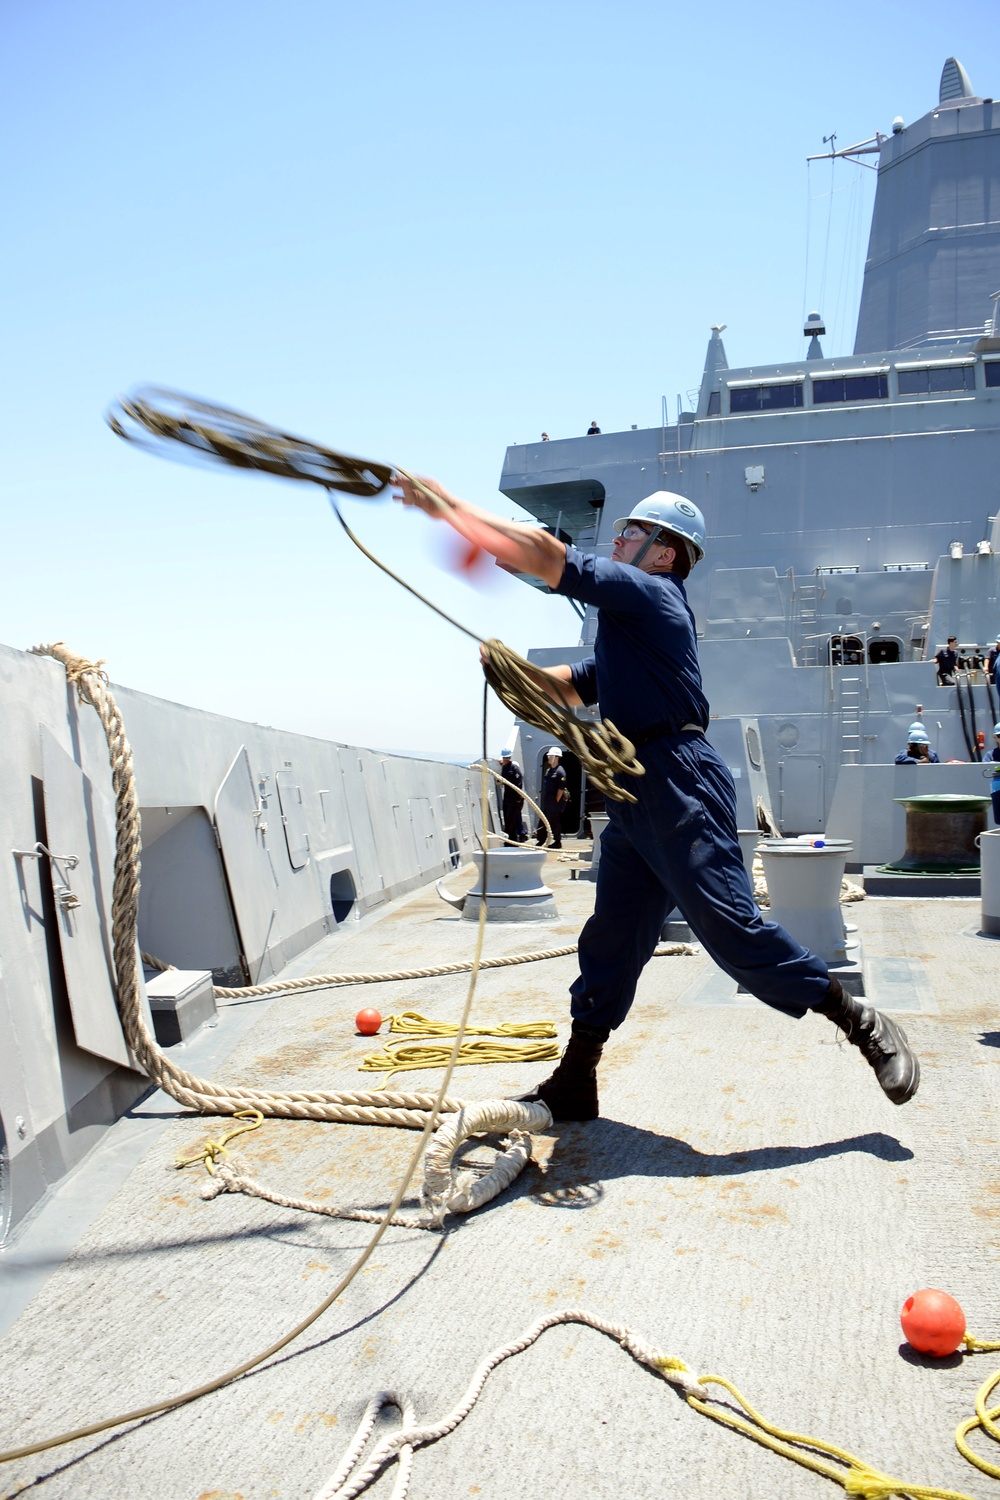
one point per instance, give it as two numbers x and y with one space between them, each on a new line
660 731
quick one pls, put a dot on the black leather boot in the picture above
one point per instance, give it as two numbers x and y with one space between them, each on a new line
881 1042
571 1091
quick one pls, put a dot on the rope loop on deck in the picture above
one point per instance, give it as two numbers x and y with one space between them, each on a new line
853 1474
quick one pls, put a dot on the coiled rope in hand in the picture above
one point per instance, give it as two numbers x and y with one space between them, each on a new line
602 750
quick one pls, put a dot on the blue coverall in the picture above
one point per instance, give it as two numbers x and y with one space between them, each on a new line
677 845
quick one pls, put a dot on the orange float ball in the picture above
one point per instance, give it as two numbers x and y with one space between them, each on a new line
933 1322
368 1022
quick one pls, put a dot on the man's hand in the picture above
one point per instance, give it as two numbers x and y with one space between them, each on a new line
523 549
412 494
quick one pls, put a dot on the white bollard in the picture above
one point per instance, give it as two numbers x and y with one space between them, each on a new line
598 823
804 885
516 891
988 845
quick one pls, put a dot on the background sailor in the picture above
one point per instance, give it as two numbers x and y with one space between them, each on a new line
555 795
995 783
512 803
918 748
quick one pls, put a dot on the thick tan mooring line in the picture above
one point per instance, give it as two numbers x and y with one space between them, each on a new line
360 1108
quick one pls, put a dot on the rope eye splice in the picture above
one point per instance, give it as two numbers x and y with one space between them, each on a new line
212 1150
446 1189
855 1477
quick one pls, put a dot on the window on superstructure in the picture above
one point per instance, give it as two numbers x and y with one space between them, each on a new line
934 378
846 651
886 648
766 397
992 371
850 388
715 403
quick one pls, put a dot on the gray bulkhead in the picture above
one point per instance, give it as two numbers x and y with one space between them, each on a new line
851 502
256 843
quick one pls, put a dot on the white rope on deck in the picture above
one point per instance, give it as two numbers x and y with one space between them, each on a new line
350 1479
446 1189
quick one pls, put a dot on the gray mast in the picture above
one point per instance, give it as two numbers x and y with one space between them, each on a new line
935 236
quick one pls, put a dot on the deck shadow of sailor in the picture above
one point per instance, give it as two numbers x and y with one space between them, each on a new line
582 1161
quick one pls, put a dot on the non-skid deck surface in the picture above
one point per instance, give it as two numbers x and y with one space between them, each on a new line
749 1202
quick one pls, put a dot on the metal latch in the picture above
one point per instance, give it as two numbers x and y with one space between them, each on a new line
69 860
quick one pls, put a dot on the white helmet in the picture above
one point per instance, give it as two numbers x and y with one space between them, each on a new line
554 750
916 725
673 513
996 729
917 735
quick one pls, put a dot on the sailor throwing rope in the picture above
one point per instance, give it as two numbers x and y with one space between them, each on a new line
677 843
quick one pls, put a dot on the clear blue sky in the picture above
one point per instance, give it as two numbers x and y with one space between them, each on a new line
418 233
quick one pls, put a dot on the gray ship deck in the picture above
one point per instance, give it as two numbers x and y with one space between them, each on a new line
749 1202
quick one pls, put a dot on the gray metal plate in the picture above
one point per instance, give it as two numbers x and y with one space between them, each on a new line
79 822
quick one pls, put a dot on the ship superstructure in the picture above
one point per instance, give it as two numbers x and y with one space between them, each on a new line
851 504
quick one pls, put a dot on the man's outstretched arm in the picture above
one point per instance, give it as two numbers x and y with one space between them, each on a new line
527 549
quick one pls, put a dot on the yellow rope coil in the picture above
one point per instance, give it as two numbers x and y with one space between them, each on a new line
984 1418
412 1023
405 1057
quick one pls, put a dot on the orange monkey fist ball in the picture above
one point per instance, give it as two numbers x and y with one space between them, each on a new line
368 1022
933 1322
